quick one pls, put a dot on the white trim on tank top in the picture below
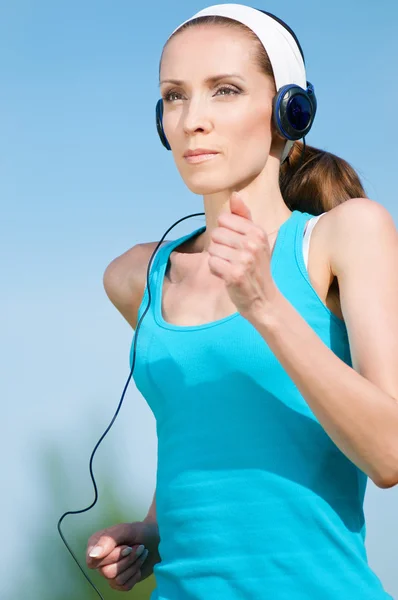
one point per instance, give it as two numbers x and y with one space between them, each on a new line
307 236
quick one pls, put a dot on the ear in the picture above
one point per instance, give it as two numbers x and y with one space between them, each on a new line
278 141
276 135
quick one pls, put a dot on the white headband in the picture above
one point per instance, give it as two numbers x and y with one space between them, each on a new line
280 45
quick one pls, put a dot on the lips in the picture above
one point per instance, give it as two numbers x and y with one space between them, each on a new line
199 151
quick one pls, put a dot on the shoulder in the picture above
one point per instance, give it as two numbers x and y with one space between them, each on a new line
363 243
361 211
358 224
124 279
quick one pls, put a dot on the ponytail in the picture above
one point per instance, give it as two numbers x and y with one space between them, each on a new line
323 180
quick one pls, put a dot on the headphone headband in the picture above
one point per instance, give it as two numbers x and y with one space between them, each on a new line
280 45
295 102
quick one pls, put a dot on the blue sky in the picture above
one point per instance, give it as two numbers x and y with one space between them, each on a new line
84 177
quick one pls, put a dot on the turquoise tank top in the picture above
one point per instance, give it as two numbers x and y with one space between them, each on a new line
254 500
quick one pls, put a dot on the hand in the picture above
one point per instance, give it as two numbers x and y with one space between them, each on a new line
123 572
240 255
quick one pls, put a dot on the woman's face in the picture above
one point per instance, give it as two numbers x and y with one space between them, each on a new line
231 116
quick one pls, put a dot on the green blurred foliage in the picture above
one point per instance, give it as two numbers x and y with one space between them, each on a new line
54 573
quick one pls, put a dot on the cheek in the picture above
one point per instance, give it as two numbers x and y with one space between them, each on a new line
249 143
254 132
245 139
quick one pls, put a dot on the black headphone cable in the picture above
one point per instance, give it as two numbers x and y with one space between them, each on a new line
75 512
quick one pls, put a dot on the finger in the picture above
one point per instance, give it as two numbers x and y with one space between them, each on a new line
128 585
225 252
133 573
103 547
103 542
235 222
224 235
120 554
110 571
238 206
219 267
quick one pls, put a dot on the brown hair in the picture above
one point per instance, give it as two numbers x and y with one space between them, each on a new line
314 182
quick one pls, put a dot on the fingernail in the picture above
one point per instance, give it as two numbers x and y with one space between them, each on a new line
139 550
144 555
96 551
126 551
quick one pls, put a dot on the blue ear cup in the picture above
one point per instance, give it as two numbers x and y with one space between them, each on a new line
294 111
159 124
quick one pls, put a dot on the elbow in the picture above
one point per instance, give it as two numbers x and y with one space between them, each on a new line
386 481
385 484
386 476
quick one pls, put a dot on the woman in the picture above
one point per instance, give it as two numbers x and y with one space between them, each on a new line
269 363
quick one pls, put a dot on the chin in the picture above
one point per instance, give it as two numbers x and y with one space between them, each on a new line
206 183
204 188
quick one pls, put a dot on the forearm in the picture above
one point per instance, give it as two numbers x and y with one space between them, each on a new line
151 516
358 416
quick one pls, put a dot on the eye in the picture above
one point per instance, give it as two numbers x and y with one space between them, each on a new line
167 98
230 92
229 89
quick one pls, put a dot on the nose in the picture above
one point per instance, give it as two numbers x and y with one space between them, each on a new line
196 117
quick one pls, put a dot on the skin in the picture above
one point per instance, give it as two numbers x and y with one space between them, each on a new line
239 126
359 236
113 543
350 404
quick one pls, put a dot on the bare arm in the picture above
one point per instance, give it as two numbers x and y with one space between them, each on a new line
124 280
124 283
357 406
151 516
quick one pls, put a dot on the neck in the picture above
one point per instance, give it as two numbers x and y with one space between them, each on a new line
261 194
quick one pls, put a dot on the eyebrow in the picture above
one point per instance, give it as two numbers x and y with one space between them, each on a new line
212 79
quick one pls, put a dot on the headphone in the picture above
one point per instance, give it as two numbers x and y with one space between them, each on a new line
293 114
293 107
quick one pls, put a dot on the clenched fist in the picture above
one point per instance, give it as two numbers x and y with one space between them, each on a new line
125 553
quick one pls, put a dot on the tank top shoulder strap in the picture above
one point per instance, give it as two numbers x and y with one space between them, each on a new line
305 223
159 264
296 236
167 248
292 229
